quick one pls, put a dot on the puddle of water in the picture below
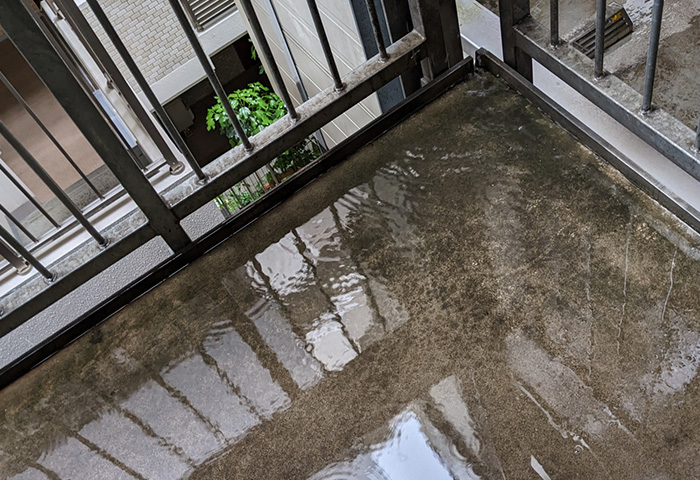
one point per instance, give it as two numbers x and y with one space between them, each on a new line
122 439
406 453
212 397
242 368
290 350
483 245
330 345
73 459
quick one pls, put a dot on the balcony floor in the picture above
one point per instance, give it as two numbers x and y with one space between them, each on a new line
474 295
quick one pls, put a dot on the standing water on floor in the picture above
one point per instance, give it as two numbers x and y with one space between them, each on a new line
474 295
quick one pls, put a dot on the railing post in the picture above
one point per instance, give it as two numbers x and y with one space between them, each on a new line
325 44
652 54
426 21
208 67
376 29
398 18
450 32
512 12
266 52
21 27
47 180
599 38
82 29
554 23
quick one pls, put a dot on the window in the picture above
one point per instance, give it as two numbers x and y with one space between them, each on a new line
205 12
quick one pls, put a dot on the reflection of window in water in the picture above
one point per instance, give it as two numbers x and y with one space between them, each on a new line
410 447
307 291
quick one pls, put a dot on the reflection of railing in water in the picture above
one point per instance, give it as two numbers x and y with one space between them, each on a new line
212 389
426 43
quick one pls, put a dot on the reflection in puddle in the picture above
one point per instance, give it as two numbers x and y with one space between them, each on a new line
238 361
72 459
447 396
211 397
168 417
562 389
279 336
33 474
411 448
132 446
329 344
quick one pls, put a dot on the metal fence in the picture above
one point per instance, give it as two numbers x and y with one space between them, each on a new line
428 48
524 41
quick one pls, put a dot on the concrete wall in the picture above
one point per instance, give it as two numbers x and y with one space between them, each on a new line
300 35
158 44
150 32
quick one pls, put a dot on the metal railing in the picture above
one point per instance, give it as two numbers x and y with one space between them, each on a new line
430 48
524 40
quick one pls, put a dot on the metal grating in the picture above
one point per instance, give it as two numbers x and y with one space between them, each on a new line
617 26
205 12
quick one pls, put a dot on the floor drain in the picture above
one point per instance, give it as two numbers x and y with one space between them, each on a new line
617 26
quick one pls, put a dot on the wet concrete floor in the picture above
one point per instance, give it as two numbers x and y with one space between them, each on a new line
474 295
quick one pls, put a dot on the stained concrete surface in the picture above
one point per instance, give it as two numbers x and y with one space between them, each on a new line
474 295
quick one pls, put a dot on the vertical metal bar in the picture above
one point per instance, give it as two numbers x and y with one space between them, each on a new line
238 199
20 265
277 27
49 182
398 17
376 28
208 67
325 45
599 37
654 39
22 29
554 23
450 32
29 196
275 178
273 68
14 244
14 220
427 19
46 131
82 29
260 180
696 144
63 48
145 87
512 12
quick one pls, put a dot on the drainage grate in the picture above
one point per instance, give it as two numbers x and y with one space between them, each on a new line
617 26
